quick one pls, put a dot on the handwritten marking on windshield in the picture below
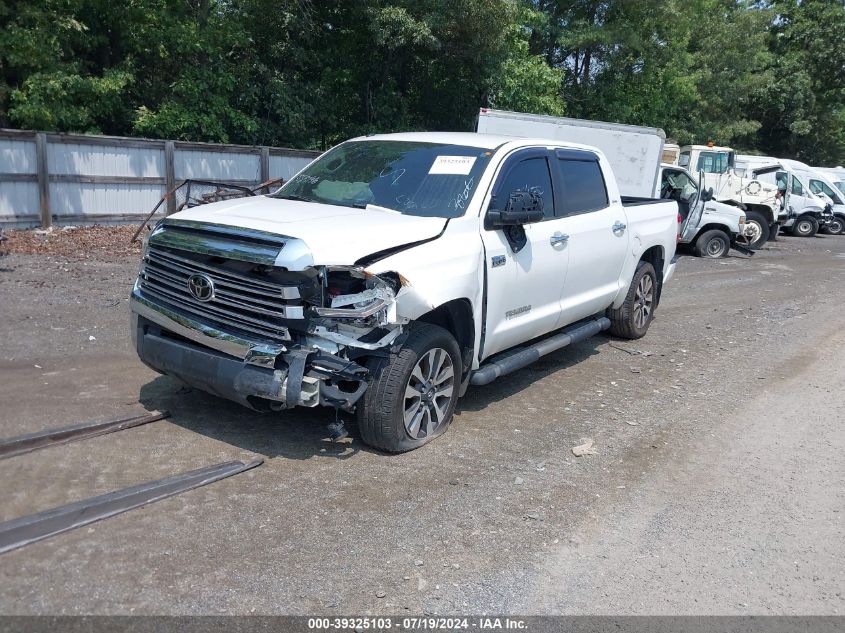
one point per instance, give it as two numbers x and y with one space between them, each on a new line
460 201
398 173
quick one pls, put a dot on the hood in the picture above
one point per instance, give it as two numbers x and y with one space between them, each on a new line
333 235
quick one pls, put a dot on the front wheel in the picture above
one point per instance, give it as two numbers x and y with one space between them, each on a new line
758 230
412 393
632 318
805 226
836 226
713 244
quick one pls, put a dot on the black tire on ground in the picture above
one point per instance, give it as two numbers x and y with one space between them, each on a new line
805 226
713 243
756 218
627 321
837 225
774 231
381 411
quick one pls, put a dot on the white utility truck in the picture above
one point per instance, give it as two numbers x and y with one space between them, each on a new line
396 270
764 212
711 228
635 152
806 212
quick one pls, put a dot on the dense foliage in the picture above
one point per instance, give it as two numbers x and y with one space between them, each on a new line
762 75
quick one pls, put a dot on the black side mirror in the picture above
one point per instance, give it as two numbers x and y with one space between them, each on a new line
707 194
523 207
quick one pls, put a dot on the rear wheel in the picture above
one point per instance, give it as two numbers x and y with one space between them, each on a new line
632 319
713 244
805 226
757 230
412 393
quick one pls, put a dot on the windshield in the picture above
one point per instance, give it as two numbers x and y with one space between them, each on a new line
818 186
425 179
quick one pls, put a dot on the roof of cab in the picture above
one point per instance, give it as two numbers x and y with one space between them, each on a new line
470 139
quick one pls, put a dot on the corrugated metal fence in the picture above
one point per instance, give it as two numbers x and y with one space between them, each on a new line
76 178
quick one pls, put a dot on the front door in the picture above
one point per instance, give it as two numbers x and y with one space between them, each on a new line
524 283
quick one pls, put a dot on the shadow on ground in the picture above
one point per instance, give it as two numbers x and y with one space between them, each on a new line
302 433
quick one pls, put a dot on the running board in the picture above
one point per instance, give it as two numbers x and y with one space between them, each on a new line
51 437
35 527
524 356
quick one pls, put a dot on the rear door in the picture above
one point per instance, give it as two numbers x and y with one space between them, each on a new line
524 286
597 230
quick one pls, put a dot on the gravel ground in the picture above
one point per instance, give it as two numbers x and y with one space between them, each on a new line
718 466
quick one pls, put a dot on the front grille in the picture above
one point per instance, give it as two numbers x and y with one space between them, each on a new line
240 302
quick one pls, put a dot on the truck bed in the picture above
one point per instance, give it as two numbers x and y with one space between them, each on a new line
633 201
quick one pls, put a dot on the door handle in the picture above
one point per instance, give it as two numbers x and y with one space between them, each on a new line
619 227
558 238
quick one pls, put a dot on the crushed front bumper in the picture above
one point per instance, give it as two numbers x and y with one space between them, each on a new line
252 373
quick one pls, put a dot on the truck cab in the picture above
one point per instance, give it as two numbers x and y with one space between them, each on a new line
711 228
732 185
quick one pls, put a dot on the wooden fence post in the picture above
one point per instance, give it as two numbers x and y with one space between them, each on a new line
170 174
43 179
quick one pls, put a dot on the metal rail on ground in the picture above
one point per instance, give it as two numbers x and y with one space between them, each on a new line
35 527
52 437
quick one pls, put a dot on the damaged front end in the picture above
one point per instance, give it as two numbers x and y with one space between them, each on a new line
216 310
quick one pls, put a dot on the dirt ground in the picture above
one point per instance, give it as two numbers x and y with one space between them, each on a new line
717 486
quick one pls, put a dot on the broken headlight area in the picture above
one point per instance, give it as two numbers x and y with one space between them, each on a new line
355 297
355 315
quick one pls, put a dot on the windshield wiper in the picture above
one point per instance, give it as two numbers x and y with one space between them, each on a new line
293 196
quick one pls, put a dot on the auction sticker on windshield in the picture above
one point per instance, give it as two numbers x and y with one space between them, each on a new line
460 165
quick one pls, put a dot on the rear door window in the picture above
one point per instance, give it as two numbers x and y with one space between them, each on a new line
583 188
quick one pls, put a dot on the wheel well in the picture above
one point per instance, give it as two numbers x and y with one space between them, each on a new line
762 209
456 318
711 227
654 256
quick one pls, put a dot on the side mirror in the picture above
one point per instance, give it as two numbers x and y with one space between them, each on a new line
523 207
707 194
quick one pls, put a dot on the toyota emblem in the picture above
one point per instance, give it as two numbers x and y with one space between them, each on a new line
201 287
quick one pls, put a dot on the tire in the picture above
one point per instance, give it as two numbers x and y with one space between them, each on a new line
381 413
805 226
774 231
627 321
837 225
761 229
713 244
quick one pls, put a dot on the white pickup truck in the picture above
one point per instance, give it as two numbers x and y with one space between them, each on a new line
396 270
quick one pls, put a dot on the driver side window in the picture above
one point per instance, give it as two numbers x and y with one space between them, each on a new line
530 174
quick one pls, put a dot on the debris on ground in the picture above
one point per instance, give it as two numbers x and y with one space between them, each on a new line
86 242
584 449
